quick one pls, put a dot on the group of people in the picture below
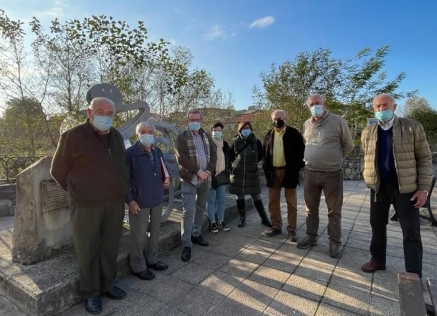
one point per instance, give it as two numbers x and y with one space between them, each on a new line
100 176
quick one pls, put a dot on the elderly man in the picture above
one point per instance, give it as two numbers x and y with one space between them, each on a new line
283 149
328 142
197 157
398 171
89 163
145 165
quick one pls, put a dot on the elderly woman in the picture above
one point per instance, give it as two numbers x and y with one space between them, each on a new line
246 153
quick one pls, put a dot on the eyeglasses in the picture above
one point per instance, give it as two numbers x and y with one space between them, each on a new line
194 120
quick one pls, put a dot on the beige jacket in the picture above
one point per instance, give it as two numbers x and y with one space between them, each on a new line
411 154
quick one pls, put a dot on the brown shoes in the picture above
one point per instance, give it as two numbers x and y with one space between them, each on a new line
292 235
272 232
371 267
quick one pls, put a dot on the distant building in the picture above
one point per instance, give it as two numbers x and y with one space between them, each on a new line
249 115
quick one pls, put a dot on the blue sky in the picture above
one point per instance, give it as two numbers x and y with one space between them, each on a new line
235 40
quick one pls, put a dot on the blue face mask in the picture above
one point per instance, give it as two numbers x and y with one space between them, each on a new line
384 116
102 123
194 126
217 134
245 132
146 139
317 110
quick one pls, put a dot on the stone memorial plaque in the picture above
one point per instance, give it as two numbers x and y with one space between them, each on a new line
53 197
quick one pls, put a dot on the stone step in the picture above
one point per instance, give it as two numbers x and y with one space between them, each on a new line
49 287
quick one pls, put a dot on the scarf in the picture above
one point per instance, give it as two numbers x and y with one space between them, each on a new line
220 165
192 150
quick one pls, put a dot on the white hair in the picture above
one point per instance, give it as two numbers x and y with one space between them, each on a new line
144 124
279 111
101 99
385 95
315 95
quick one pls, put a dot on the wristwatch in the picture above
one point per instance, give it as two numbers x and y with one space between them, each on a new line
426 191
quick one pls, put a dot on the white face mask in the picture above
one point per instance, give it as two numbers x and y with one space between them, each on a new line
146 139
317 110
217 134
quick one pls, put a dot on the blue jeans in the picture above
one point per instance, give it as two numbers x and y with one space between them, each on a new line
218 195
194 198
255 197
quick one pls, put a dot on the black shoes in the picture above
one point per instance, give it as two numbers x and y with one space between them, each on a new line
199 240
144 275
159 266
93 305
186 254
115 293
242 221
265 221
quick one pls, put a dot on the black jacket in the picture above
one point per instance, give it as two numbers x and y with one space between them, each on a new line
245 177
90 166
294 147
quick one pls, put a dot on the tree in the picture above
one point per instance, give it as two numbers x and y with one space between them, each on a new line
25 130
76 54
348 85
420 110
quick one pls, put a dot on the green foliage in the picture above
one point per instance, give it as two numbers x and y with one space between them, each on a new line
420 110
348 85
25 130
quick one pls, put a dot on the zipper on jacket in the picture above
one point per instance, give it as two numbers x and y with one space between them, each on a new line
394 158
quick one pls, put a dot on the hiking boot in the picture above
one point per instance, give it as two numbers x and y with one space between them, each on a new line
222 226
306 243
213 228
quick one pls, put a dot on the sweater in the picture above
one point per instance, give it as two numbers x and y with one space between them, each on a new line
386 162
328 142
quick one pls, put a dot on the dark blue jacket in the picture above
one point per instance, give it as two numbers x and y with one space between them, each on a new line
145 179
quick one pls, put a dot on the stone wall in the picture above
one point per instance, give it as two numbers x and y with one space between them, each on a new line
7 199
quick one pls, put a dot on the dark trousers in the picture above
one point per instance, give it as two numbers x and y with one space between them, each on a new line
331 182
96 236
408 219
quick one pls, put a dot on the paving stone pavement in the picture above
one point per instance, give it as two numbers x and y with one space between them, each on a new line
243 272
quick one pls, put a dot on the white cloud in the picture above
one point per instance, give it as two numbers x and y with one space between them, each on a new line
218 31
262 22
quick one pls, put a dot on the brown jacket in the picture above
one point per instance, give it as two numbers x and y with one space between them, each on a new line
411 154
91 167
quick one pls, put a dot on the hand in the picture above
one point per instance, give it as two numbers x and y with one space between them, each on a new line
134 209
203 175
166 183
420 196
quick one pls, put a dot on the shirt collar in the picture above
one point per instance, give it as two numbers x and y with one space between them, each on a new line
387 125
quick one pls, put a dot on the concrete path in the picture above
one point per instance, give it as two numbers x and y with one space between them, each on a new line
243 272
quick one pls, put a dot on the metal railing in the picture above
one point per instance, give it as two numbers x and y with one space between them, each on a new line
10 167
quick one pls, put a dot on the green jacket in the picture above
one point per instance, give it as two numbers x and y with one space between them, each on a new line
411 154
